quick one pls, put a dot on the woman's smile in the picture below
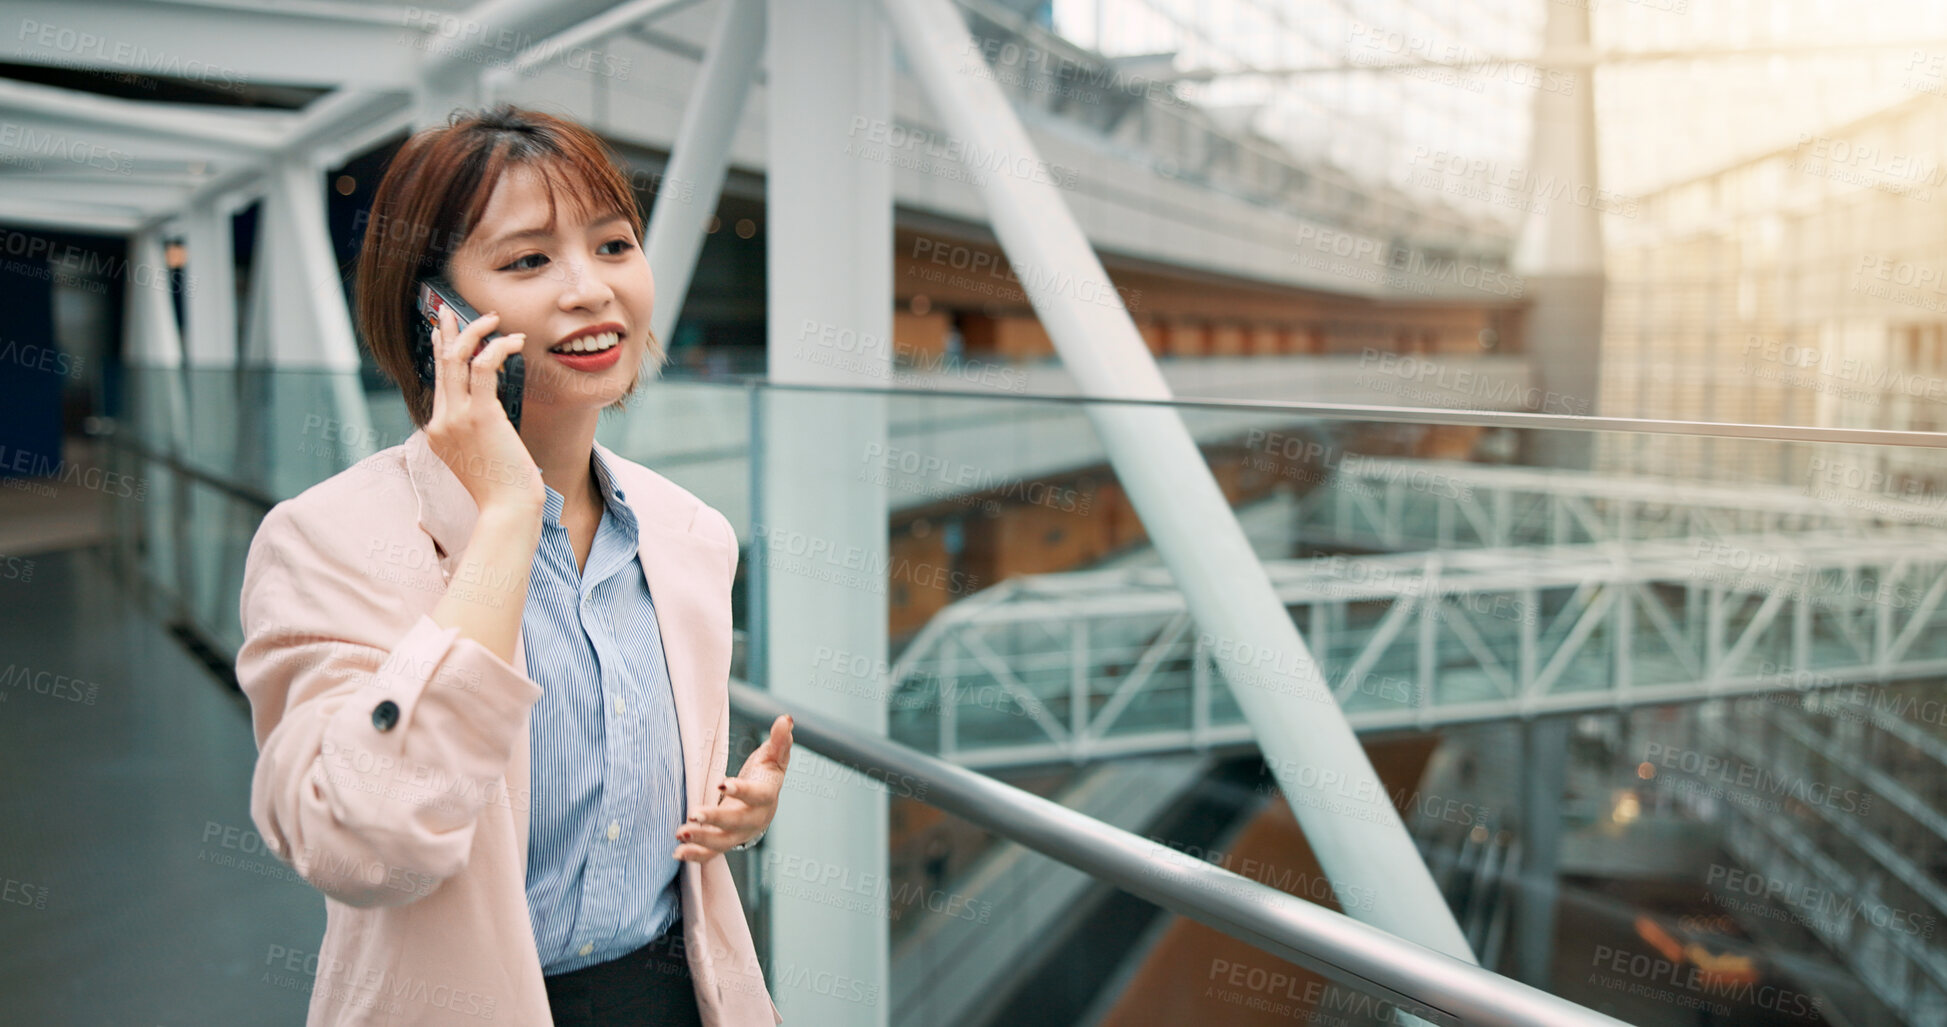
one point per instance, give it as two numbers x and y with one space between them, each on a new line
595 348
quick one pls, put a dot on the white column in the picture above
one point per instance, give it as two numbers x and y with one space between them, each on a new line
821 534
215 421
210 289
1559 254
316 418
152 349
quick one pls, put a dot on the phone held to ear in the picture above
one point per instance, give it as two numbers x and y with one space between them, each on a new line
436 294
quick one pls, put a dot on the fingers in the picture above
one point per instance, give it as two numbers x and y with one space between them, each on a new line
712 837
698 843
781 741
697 853
443 378
486 367
455 350
732 813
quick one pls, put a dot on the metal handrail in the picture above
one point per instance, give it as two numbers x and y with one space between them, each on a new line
1464 417
1451 416
1420 981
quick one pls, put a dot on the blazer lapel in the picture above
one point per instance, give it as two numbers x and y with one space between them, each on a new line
676 566
685 575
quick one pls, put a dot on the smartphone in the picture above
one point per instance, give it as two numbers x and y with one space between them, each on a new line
436 294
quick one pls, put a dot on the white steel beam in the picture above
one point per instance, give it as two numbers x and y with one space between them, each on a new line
700 158
221 47
1191 523
31 214
240 131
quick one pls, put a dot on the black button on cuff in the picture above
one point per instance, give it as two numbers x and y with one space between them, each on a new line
385 714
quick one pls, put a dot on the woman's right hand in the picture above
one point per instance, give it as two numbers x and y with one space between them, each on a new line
469 429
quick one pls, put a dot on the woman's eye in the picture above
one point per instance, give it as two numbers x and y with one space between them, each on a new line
624 245
518 264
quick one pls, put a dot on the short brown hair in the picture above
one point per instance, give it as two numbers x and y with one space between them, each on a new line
431 198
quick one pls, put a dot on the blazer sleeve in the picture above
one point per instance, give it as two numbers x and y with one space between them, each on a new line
381 735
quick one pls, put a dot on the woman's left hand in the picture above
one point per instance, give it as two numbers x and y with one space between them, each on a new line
747 804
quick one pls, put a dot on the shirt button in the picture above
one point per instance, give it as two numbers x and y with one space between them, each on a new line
614 830
385 714
586 949
620 705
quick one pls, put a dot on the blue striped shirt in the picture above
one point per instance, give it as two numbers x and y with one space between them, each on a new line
607 776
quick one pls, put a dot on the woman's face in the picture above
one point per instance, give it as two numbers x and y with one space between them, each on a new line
570 283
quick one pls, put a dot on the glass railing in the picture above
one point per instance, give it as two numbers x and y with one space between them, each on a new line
1717 648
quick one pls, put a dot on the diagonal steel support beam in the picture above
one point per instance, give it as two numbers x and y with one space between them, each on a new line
1189 520
700 158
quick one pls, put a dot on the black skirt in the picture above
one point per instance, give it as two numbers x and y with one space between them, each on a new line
649 987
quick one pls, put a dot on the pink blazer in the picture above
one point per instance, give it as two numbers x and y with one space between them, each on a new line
416 832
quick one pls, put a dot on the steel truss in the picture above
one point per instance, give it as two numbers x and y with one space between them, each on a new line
1074 667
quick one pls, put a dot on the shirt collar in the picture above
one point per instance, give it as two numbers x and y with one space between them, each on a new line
613 497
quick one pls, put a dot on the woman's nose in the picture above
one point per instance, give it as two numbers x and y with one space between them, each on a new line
585 287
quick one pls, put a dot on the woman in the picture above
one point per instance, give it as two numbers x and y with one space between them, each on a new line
487 668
